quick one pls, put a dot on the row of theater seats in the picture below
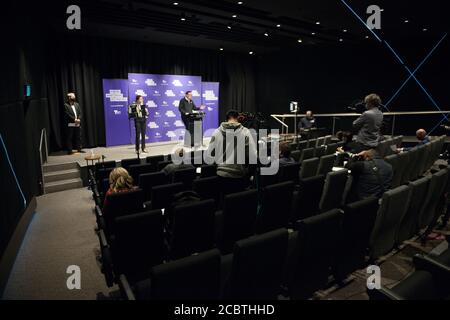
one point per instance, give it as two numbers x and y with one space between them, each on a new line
410 165
237 219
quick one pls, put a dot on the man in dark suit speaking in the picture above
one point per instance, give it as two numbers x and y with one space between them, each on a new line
72 116
186 107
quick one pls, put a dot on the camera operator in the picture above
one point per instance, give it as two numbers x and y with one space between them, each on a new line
368 125
372 176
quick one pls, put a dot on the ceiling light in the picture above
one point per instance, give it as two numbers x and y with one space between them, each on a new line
240 2
250 53
406 21
317 22
341 40
229 26
299 40
424 29
221 49
266 34
313 33
234 15
183 19
175 3
345 30
367 37
278 25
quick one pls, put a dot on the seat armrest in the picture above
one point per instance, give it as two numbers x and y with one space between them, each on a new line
103 240
125 288
427 263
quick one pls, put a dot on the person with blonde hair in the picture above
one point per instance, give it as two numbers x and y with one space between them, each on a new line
119 181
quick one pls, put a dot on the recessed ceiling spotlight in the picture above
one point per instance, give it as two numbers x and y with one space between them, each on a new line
406 21
381 10
424 29
266 34
250 53
317 22
345 30
229 27
341 40
313 33
221 49
299 40
234 15
240 2
175 3
367 37
183 19
278 25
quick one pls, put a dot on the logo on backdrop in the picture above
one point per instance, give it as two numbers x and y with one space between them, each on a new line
140 92
177 83
150 83
209 95
170 93
116 96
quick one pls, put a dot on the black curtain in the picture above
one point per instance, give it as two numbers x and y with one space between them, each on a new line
79 63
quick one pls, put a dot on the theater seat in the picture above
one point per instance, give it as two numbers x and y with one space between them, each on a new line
276 207
326 164
333 190
296 155
434 198
309 168
409 223
207 188
121 204
394 161
314 253
237 218
138 244
196 277
208 170
192 228
135 170
394 204
358 222
257 267
306 200
185 176
289 172
155 159
162 196
306 154
126 163
149 180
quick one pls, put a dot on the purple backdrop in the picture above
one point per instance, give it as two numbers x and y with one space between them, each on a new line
210 99
115 97
162 94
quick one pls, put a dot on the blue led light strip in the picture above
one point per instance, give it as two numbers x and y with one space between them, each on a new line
13 172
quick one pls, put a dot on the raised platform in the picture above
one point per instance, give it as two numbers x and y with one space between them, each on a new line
120 152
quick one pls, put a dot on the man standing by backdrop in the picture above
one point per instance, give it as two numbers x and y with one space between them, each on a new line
186 107
72 115
138 111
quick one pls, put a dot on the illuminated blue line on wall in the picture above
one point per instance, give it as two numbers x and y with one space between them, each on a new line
13 172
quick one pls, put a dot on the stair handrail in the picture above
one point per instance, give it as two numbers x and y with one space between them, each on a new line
42 161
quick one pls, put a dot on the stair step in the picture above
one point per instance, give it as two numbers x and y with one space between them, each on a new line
61 175
62 185
60 166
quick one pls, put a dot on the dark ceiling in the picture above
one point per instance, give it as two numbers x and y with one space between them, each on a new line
257 25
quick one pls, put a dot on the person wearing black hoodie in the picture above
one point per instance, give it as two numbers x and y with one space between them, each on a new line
233 147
